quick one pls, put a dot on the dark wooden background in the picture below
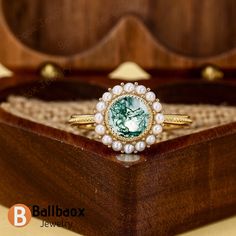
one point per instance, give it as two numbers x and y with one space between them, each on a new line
91 34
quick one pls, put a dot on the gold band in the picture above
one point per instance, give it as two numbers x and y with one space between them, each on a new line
171 121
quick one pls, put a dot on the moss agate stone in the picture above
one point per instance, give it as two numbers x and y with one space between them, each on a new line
128 117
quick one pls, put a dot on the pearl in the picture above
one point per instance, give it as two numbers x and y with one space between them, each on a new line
159 118
140 146
150 96
157 106
116 146
140 89
107 96
100 129
100 106
129 87
128 148
98 118
117 90
150 139
107 140
157 129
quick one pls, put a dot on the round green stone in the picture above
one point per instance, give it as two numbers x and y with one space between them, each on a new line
128 117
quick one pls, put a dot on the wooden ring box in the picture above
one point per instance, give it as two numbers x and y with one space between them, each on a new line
176 185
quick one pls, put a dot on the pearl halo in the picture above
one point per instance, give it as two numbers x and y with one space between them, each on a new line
128 146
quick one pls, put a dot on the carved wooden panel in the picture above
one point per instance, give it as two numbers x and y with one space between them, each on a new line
94 34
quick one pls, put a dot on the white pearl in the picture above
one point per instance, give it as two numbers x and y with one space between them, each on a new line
100 106
129 87
128 148
107 96
116 146
100 129
107 140
157 129
140 146
117 90
157 106
150 96
140 89
150 139
98 118
159 118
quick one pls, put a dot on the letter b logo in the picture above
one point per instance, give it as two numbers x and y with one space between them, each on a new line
19 215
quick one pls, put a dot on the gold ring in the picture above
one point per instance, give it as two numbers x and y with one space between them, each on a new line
128 118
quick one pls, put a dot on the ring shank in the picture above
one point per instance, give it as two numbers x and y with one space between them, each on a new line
171 121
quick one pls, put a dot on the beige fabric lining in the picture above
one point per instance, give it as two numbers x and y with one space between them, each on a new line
56 114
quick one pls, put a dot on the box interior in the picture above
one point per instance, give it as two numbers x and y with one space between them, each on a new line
53 104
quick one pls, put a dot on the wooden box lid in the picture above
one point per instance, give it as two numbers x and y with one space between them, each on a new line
92 35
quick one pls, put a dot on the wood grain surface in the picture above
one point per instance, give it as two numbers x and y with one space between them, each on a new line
91 35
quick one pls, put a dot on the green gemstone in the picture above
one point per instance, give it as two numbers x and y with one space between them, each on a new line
128 117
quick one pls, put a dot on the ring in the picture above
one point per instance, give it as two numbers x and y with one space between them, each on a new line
128 118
